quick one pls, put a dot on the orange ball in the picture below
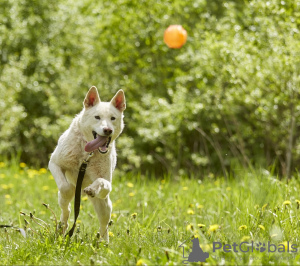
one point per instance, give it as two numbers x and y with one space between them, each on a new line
175 36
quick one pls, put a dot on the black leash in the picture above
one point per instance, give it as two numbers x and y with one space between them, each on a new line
78 191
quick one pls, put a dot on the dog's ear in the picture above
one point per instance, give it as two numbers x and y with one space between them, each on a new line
118 101
91 98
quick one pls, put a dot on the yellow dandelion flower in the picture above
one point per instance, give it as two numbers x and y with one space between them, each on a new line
287 202
22 165
51 177
191 205
10 185
81 207
286 245
111 234
262 227
191 212
2 176
228 188
130 184
4 186
243 227
8 202
131 194
163 181
7 196
45 188
141 262
196 236
43 171
199 206
113 215
85 198
185 188
264 207
201 225
16 176
134 215
213 228
189 227
42 212
78 221
245 238
2 164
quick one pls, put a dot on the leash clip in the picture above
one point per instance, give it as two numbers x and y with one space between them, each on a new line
89 156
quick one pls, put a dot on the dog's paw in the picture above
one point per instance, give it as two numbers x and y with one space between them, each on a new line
90 191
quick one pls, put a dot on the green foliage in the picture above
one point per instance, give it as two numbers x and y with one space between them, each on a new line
229 97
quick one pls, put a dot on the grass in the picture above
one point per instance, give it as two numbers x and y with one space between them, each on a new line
151 218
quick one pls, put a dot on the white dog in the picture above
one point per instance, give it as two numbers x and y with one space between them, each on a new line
95 128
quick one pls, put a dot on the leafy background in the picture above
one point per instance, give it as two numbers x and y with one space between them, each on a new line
228 98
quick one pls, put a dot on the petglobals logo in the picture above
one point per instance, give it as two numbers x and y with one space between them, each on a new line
247 247
198 255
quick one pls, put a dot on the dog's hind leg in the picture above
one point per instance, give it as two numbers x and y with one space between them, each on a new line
103 208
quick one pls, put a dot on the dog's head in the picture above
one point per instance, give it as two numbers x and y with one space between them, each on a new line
102 122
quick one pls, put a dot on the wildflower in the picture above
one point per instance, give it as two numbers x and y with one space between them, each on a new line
243 227
286 203
191 205
43 171
262 227
196 236
131 194
163 181
134 215
8 202
298 203
199 206
191 212
189 227
264 206
287 246
16 176
141 262
201 225
51 177
22 165
213 228
2 176
4 186
45 188
10 185
130 184
185 188
85 198
113 215
2 164
7 196
111 234
245 238
256 206
79 221
228 188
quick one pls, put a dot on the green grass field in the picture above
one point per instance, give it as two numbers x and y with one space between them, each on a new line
151 218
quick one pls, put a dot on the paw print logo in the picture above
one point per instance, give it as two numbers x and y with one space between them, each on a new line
261 247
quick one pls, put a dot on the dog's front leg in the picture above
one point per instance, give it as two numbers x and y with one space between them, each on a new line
103 208
65 194
100 188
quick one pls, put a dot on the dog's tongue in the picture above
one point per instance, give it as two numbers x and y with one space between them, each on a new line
100 141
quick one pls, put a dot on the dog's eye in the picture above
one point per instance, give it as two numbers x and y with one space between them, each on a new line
97 117
113 118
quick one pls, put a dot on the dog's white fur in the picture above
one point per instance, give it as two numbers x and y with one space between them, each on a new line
67 157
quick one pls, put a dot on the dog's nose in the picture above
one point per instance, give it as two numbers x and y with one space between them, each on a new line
107 131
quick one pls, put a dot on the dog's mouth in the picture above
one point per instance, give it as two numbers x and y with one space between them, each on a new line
100 142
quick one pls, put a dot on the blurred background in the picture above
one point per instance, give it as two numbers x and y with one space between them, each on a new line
229 98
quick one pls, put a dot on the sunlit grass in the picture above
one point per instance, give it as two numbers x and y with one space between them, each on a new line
150 219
